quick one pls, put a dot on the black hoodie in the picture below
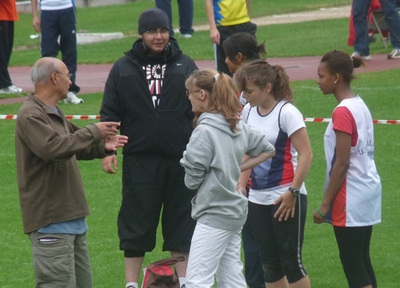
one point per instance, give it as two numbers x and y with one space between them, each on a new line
164 131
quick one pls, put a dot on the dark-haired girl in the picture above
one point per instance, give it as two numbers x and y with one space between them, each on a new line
241 48
353 191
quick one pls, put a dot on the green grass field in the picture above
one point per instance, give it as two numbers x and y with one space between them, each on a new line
320 254
123 18
321 260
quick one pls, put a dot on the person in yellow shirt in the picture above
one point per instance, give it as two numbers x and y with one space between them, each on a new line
225 18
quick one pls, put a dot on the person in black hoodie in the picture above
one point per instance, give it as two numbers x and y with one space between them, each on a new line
145 91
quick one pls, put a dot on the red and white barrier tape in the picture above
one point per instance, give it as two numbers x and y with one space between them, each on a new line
83 117
93 117
386 121
75 117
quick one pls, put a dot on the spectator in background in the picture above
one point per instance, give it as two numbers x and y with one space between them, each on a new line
8 15
361 43
375 4
185 16
225 18
58 19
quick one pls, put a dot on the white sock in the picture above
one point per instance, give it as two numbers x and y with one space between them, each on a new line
182 281
134 284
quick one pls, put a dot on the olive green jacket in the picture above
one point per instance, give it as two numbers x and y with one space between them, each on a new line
47 146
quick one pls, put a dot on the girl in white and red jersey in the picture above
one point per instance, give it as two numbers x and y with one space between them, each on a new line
353 191
277 197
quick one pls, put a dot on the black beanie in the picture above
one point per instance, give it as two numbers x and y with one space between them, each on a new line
152 19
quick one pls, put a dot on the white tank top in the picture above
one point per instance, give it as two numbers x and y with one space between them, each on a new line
56 4
358 202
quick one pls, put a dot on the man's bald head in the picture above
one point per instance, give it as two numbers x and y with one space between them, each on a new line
42 69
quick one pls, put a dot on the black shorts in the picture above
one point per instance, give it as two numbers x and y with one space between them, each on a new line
279 242
154 185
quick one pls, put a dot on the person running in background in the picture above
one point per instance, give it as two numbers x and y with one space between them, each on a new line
353 191
8 15
225 18
277 197
213 162
185 16
58 19
240 48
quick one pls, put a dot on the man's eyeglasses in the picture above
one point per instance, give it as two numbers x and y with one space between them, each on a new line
154 32
68 75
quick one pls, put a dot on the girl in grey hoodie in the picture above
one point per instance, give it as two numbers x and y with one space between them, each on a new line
213 163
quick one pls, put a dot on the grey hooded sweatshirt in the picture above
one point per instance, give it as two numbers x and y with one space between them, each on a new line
212 165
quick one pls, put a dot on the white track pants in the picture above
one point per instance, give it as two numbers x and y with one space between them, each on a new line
215 251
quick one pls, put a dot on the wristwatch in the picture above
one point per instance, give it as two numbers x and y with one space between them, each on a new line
295 192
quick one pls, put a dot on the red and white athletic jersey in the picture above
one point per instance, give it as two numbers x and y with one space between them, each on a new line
358 201
272 178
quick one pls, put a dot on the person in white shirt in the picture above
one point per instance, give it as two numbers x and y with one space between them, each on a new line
353 191
277 197
58 20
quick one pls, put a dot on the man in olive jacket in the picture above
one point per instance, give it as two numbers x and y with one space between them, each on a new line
52 197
